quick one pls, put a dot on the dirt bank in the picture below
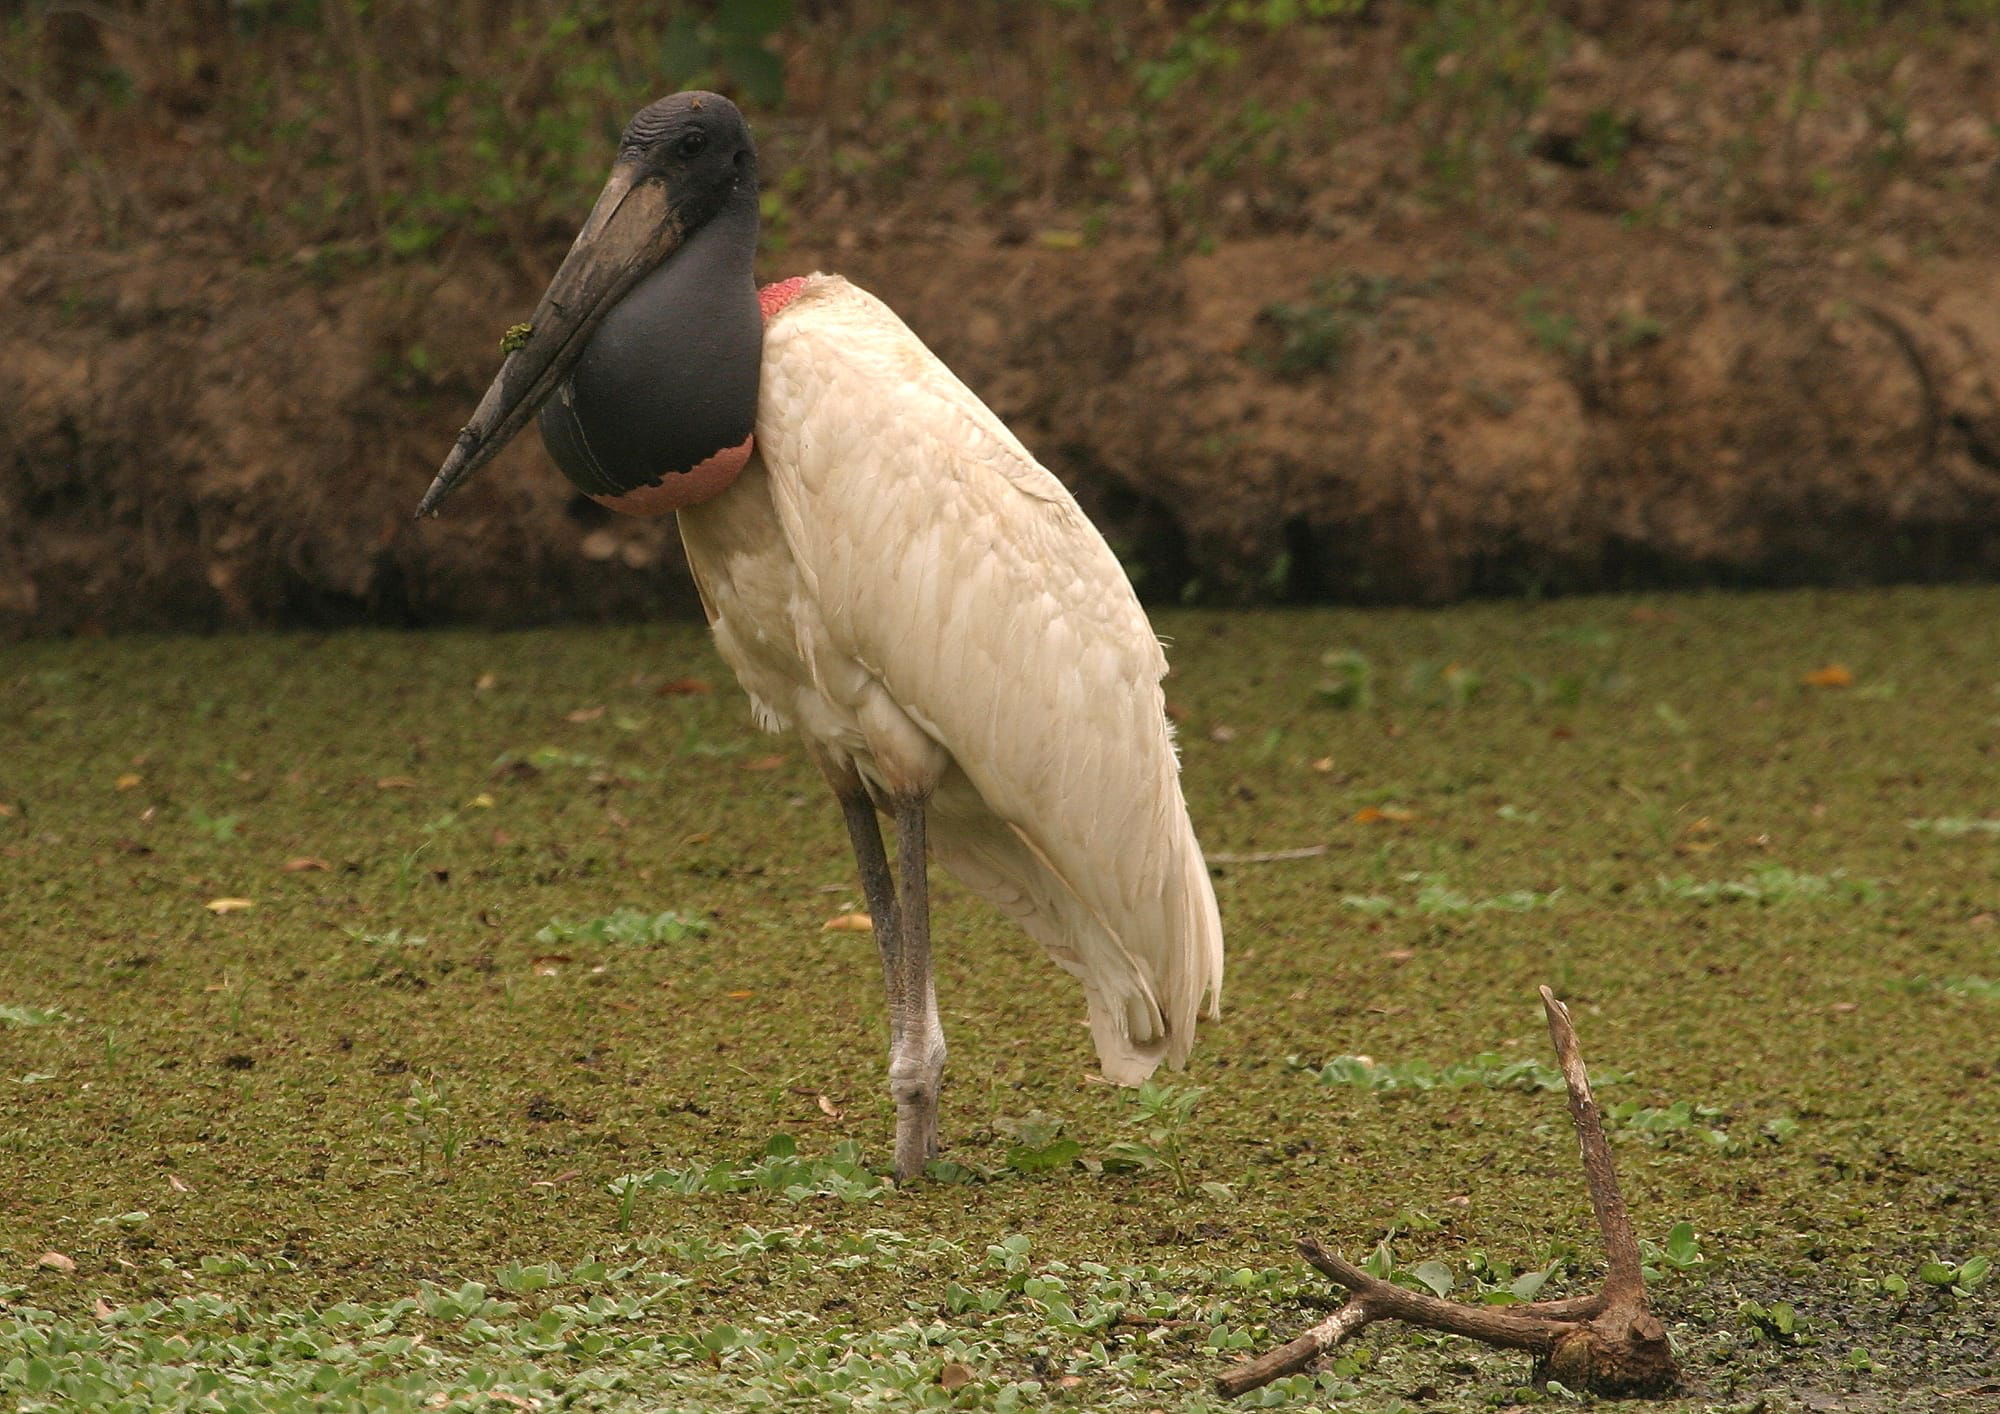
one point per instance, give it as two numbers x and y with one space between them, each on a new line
1705 298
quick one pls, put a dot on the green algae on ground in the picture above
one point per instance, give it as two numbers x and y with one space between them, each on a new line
278 1142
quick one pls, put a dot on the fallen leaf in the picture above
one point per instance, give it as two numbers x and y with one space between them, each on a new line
683 687
1845 1006
56 1262
764 763
306 864
584 714
1832 675
742 994
955 1376
6 811
102 1309
1323 765
229 905
848 923
131 780
827 1107
487 682
1383 814
1643 614
396 783
1400 954
174 1182
482 801
1069 1381
548 964
1222 731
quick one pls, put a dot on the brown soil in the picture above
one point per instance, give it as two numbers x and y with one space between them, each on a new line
1688 365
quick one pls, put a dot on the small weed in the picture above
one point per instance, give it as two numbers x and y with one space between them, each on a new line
1312 335
428 1120
1438 900
1773 885
1164 1111
389 938
1980 988
1680 1253
1350 680
220 828
1955 826
1554 329
1961 1280
777 1168
1487 1070
1039 1145
626 926
31 1015
701 51
1450 685
1666 1122
1777 1323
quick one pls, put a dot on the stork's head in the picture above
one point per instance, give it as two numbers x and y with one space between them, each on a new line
682 162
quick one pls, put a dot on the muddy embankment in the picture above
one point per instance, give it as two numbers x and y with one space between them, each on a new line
1387 417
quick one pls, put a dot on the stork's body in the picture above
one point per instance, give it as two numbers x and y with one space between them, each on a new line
893 576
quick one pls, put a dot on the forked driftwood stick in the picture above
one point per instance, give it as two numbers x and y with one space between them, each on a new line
1607 1344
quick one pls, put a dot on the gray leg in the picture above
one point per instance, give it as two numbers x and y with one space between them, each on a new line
872 861
916 1039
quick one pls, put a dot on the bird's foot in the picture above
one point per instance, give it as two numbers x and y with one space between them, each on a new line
916 1135
916 1123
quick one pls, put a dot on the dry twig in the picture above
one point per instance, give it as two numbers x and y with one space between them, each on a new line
1607 1344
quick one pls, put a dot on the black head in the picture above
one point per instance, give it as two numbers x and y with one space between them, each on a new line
697 146
681 161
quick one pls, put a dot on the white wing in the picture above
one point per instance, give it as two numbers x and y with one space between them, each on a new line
963 578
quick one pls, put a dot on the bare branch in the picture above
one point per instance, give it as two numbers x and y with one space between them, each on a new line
1623 1280
1294 1355
1608 1344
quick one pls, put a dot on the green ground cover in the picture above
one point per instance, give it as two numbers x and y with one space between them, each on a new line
537 1081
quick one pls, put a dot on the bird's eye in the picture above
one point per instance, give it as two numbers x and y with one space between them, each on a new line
692 144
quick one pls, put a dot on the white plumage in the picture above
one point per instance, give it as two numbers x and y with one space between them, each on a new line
897 579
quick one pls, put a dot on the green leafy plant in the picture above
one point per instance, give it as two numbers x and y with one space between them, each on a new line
11 1015
731 44
1487 1070
1039 1144
428 1120
1163 1111
219 828
1773 885
1960 1280
777 1168
1777 1322
626 926
1309 336
1681 1252
1350 680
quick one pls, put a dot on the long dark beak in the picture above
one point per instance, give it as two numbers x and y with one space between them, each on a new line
631 230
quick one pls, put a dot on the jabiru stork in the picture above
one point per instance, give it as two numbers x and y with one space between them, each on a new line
892 576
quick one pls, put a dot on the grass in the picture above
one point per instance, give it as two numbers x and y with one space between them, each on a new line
531 1078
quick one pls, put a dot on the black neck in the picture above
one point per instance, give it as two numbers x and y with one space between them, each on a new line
670 377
